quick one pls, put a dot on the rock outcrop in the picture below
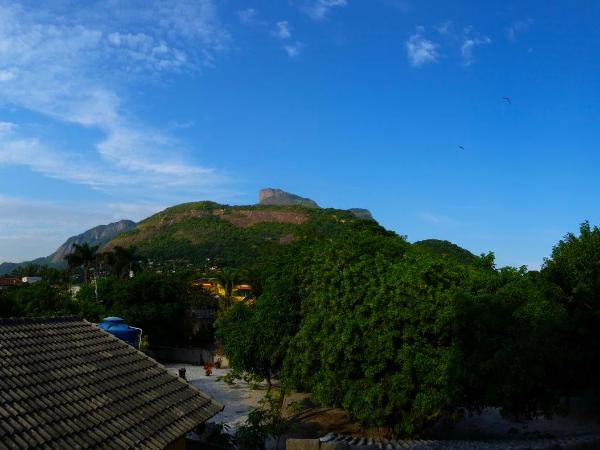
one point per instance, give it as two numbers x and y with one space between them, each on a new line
270 196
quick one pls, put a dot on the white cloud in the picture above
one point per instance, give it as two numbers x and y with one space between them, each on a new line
446 28
6 75
437 219
320 9
7 127
31 228
250 16
73 70
421 50
516 28
282 30
469 43
293 50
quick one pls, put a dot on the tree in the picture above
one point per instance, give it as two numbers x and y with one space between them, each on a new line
122 261
227 278
83 255
508 334
573 270
399 337
41 299
256 337
157 303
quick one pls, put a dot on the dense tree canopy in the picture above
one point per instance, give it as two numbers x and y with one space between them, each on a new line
398 336
573 270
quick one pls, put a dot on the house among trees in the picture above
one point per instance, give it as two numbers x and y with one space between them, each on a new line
224 288
65 383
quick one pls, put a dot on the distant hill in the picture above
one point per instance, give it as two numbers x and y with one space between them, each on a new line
99 235
446 248
270 196
233 236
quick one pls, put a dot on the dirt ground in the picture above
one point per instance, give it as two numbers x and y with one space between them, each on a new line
239 399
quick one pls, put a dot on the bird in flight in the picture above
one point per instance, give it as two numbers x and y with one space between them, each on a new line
461 147
507 99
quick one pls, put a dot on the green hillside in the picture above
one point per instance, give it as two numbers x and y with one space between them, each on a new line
225 235
447 249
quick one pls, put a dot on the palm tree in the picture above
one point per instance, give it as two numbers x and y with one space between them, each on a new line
124 261
227 278
83 255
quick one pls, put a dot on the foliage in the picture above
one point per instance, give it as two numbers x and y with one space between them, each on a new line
37 300
255 337
396 336
446 249
157 303
508 334
49 274
573 270
122 261
85 256
264 422
208 234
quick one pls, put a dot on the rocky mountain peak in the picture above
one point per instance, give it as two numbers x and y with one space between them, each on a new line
270 196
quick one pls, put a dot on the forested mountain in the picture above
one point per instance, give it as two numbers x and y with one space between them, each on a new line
233 236
237 236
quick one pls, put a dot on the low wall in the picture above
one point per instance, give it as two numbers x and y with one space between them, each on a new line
188 355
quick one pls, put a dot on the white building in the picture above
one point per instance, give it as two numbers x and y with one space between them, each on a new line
31 280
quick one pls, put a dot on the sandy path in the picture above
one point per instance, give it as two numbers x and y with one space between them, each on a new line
239 399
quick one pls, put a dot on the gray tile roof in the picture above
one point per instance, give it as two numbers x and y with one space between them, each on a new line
333 441
65 383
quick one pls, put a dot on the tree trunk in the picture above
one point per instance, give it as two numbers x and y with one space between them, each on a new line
269 383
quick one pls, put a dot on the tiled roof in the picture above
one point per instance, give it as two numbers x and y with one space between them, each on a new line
65 383
10 281
333 441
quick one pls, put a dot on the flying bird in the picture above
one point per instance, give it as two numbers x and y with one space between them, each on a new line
461 147
507 99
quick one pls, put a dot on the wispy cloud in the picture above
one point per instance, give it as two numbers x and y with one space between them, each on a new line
282 30
293 50
250 17
516 28
446 28
7 127
320 9
421 50
33 228
469 43
437 219
72 71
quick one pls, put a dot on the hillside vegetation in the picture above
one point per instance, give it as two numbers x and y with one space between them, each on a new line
229 236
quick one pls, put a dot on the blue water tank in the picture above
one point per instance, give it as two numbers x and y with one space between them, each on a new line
117 327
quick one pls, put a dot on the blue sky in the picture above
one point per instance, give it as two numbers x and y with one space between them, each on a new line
117 109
